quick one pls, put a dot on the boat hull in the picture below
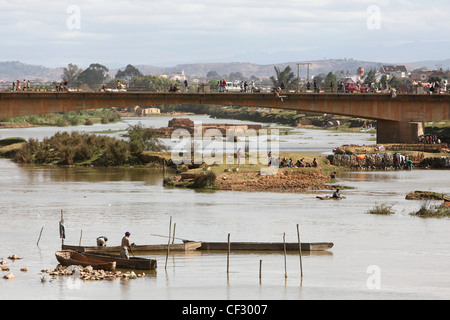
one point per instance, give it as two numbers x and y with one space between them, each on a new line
183 247
134 263
72 258
261 246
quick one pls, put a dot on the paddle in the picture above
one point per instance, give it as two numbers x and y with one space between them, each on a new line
158 235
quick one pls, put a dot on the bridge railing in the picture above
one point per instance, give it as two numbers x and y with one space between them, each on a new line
199 88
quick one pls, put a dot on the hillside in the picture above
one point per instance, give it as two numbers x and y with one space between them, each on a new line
15 70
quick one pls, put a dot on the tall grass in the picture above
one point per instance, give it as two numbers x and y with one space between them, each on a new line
382 209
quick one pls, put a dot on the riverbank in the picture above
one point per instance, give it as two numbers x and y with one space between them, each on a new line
257 177
73 118
392 156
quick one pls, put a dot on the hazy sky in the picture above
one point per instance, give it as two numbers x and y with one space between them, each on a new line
119 32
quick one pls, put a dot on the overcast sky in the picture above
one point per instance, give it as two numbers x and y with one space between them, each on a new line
169 32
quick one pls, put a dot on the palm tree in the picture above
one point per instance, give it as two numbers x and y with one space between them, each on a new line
285 79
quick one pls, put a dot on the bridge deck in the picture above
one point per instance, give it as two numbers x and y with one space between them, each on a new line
403 107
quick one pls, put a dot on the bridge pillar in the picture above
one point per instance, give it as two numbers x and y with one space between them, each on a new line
398 131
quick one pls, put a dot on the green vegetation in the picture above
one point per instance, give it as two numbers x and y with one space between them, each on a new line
153 83
143 139
427 210
73 118
285 79
88 149
425 195
382 209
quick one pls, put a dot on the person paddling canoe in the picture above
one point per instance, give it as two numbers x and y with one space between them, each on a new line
337 194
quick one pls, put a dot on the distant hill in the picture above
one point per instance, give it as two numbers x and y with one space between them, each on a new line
15 70
264 71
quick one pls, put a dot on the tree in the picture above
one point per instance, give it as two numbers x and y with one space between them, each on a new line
94 76
153 83
212 74
143 139
285 78
71 74
236 76
130 71
331 79
371 77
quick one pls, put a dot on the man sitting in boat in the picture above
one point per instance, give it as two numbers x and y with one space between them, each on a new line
101 241
337 194
126 246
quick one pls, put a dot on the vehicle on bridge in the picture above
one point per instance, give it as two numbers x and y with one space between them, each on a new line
351 87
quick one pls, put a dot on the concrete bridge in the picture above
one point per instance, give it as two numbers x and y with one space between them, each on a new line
400 119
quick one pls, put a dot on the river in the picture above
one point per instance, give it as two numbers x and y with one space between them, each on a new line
374 257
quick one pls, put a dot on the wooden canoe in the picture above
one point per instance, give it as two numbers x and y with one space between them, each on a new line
134 263
330 198
73 258
265 246
181 247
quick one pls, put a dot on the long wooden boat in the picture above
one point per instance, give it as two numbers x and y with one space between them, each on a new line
330 198
179 247
135 263
73 258
265 246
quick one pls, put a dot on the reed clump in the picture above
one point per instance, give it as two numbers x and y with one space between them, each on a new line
428 210
382 209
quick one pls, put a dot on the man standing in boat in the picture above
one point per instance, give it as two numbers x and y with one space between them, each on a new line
126 246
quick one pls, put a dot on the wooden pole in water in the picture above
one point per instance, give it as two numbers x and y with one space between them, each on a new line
300 250
81 237
168 244
40 234
173 236
62 223
260 271
228 254
164 168
285 264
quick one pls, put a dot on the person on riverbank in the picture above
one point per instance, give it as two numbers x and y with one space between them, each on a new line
101 241
186 86
125 246
315 164
409 164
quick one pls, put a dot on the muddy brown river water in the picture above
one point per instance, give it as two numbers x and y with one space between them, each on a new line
374 257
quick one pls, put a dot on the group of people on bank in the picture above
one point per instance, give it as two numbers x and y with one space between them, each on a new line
289 163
